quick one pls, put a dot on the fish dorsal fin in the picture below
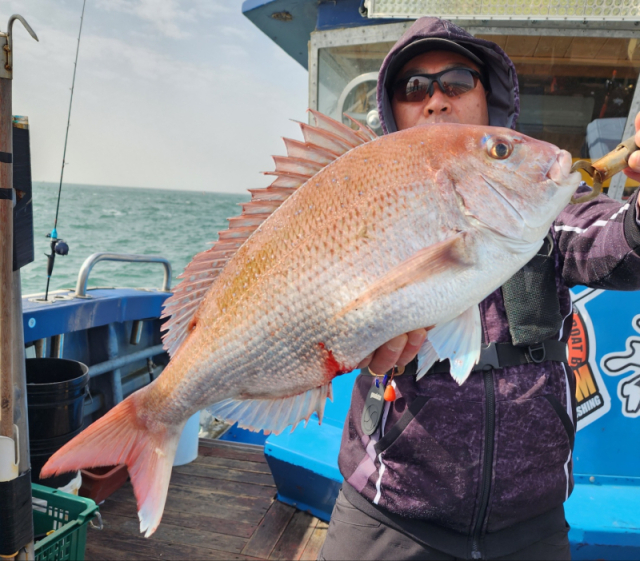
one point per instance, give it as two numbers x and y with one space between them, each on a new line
358 136
324 143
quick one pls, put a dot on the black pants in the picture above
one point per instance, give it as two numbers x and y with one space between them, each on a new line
354 535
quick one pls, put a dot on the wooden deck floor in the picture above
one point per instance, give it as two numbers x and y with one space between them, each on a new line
221 506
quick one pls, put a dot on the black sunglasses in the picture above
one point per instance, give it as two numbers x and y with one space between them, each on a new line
452 82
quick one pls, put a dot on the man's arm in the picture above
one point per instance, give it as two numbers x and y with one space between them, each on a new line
600 239
633 171
600 243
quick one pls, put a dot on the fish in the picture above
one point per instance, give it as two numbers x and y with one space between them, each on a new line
358 239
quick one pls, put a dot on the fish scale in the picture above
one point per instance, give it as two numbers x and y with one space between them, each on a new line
284 226
397 233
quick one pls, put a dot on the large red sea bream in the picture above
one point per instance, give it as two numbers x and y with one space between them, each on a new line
358 240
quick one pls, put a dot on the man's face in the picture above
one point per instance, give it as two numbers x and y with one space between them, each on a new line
469 108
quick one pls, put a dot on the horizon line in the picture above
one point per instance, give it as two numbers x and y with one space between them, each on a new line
141 187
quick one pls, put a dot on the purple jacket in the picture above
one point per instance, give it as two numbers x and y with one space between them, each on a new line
490 461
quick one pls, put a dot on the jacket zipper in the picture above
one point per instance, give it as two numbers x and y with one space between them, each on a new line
487 464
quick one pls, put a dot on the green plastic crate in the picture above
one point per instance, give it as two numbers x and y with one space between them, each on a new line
68 516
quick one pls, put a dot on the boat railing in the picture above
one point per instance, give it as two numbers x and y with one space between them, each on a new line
85 270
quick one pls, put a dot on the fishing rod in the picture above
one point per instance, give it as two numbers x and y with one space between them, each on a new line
59 246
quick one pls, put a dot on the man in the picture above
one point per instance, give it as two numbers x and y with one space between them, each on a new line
481 470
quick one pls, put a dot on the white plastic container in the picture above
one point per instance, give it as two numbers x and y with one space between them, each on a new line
188 445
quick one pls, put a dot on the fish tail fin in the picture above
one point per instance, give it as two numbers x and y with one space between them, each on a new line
123 436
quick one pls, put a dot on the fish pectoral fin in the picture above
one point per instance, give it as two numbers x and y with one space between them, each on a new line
450 254
458 340
273 415
427 357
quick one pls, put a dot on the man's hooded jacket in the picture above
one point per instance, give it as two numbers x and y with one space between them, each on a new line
483 469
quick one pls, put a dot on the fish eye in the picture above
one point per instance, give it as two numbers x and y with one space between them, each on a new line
500 149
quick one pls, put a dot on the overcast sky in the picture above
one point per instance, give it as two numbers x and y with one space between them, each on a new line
177 94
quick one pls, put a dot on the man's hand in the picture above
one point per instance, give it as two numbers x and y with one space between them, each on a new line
400 351
633 171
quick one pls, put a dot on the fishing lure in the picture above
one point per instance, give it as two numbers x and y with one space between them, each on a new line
605 168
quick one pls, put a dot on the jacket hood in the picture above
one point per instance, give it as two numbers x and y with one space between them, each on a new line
503 100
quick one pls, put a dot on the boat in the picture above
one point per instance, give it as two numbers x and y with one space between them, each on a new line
224 500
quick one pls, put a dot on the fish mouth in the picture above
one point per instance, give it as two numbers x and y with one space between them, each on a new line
560 169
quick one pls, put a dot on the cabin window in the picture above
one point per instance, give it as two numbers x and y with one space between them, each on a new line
347 79
575 92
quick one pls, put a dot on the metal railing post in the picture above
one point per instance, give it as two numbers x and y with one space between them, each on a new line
85 270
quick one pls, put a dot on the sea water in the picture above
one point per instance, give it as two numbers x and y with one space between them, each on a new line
175 224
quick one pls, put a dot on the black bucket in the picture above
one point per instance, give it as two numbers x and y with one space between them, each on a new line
55 395
41 450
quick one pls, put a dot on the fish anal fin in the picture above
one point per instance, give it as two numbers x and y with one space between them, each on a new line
447 255
273 415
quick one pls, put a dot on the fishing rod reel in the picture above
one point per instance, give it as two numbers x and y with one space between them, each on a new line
58 247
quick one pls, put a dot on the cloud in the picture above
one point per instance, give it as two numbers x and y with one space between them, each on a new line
174 94
167 16
229 31
172 18
234 50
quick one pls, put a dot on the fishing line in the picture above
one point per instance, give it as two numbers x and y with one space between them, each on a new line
64 248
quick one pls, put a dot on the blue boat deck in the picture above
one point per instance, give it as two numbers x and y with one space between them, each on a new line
221 506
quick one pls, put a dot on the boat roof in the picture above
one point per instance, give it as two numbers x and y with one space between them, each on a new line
289 23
